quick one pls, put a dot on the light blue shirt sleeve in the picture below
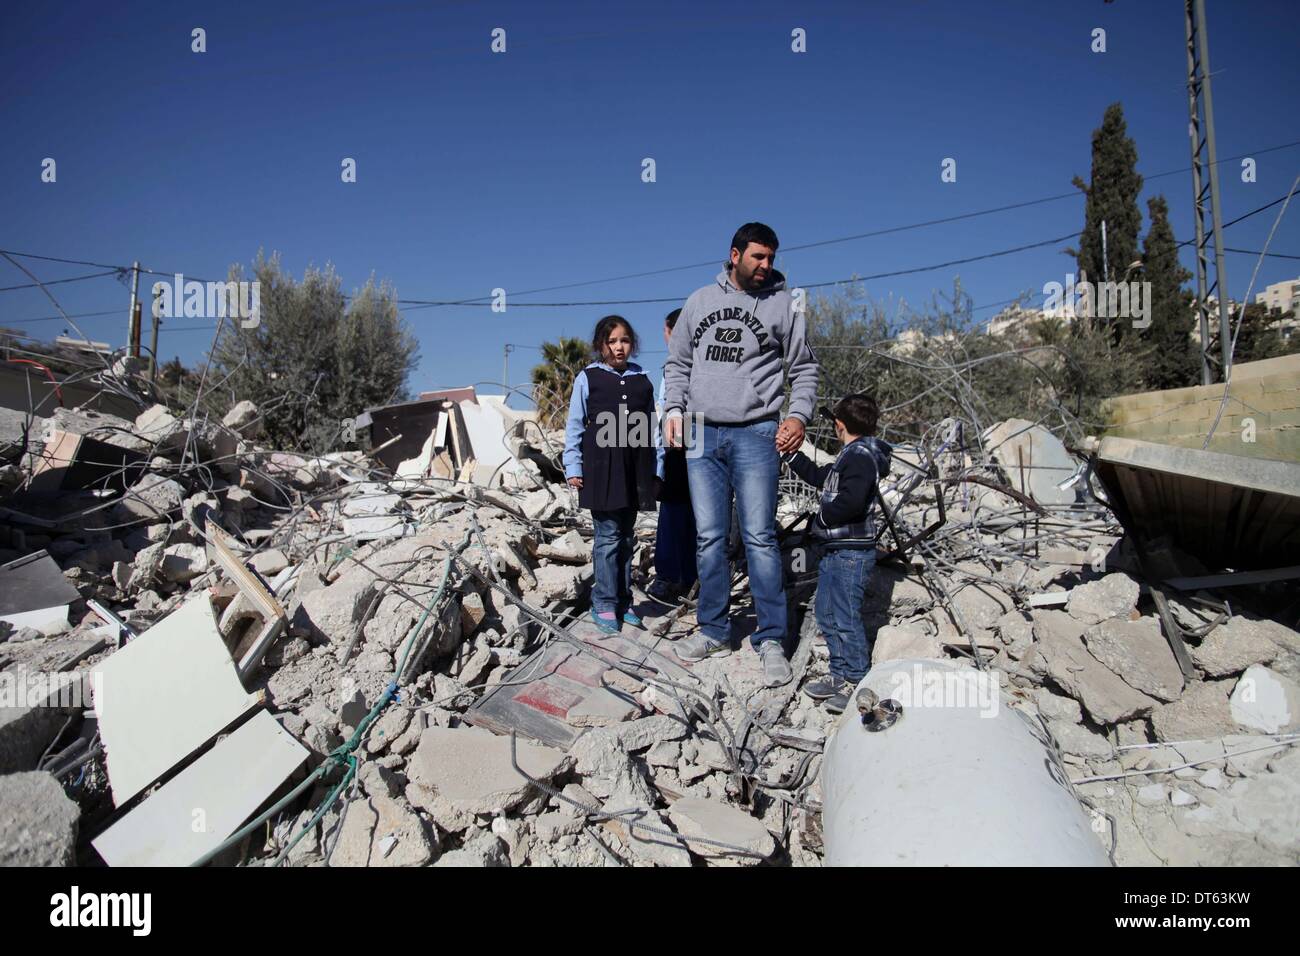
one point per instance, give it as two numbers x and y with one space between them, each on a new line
659 435
573 428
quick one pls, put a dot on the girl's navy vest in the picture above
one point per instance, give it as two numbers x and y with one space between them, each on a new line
618 442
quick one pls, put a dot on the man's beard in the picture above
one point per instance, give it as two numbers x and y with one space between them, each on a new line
747 281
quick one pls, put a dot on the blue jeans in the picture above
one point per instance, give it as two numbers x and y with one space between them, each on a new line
611 557
842 577
739 459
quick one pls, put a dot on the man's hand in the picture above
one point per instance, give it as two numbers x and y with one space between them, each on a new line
673 432
789 437
575 483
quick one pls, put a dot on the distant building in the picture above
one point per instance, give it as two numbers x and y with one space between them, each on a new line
1017 318
83 345
1283 296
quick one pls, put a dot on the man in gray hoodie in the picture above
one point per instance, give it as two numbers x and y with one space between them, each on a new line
734 344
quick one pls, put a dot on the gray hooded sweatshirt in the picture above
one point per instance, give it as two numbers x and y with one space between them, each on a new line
731 351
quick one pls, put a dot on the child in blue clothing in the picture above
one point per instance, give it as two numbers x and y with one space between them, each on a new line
675 571
845 531
609 456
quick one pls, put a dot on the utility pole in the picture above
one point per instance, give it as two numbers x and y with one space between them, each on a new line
133 316
153 340
1200 98
505 369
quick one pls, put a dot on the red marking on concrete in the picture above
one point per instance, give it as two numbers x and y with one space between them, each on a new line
546 698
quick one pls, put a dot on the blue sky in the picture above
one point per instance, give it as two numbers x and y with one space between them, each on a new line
522 170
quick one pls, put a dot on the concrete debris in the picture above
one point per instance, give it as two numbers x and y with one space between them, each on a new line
1065 659
471 769
1266 701
719 822
1138 652
436 550
1033 460
1115 595
1202 711
38 823
1234 646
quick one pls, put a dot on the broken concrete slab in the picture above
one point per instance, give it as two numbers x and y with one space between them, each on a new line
905 642
650 848
35 705
195 811
471 769
557 582
1077 739
639 734
1139 653
1114 595
183 562
600 707
332 613
1232 647
152 498
1104 695
1266 701
38 823
693 816
164 695
1202 711
1033 459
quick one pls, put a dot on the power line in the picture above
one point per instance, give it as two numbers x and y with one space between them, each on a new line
878 232
37 285
412 304
1256 252
59 318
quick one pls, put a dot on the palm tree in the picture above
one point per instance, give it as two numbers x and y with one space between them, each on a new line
553 379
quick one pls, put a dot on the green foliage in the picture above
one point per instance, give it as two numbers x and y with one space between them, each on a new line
314 359
553 378
936 363
1259 337
1174 360
1111 196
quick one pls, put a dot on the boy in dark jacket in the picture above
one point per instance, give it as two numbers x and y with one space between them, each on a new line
846 535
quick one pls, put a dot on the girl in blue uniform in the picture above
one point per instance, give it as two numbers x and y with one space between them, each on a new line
609 456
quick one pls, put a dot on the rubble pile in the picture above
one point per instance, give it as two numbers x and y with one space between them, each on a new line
380 658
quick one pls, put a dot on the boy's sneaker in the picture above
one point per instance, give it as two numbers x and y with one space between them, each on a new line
825 688
697 647
631 618
776 669
836 703
665 592
609 625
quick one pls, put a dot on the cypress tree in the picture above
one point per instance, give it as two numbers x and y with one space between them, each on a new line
1174 360
1111 197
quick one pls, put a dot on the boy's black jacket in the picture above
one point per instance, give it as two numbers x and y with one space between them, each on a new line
848 487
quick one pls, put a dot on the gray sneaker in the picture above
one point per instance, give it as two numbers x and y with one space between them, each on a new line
827 687
698 646
776 669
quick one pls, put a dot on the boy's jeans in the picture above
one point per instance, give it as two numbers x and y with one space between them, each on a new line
842 577
611 557
743 459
